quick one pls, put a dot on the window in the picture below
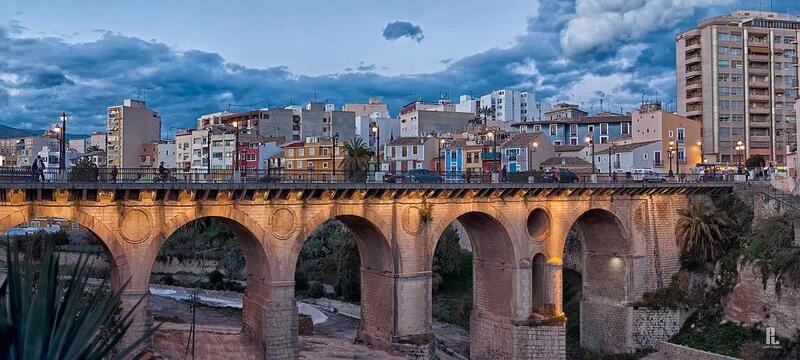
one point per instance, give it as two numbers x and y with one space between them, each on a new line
404 151
724 118
737 78
603 129
626 128
736 64
737 117
788 39
671 134
573 141
414 150
724 90
553 129
299 164
590 128
324 151
311 151
722 50
537 128
603 139
722 77
736 51
724 63
644 156
681 155
657 158
737 91
724 104
573 129
251 157
735 104
301 152
681 135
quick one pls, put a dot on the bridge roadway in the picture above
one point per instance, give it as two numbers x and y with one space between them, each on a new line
517 232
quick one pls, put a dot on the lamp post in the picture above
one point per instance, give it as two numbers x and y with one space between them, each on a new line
739 152
235 149
530 161
333 154
494 150
700 148
376 131
63 148
670 152
590 141
440 163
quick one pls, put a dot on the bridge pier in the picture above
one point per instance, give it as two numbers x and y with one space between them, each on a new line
280 321
142 319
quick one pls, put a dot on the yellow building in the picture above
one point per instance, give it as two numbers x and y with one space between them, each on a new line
312 156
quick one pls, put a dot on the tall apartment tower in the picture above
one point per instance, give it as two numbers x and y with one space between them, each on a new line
130 126
738 74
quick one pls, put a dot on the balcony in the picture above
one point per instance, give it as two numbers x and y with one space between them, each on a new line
759 110
758 84
694 98
694 111
759 124
694 71
759 97
691 59
693 44
758 70
758 58
694 84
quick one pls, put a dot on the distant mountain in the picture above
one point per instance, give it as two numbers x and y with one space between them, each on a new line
10 132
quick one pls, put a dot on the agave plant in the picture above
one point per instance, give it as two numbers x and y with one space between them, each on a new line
45 314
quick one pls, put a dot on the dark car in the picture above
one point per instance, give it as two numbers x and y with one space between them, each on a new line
391 177
422 176
559 176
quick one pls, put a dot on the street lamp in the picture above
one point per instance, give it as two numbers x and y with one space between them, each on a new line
670 152
530 160
63 148
333 154
494 150
590 141
739 151
236 148
375 130
440 163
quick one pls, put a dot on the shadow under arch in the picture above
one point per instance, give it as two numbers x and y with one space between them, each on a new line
604 292
257 264
493 258
112 247
378 267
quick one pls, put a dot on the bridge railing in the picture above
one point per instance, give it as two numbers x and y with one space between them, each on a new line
222 176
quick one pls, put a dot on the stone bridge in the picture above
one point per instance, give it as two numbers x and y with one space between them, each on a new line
517 233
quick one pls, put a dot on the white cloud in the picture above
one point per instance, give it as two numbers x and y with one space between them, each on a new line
604 24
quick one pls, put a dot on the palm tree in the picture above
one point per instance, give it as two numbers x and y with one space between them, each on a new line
356 159
700 230
486 111
45 314
93 148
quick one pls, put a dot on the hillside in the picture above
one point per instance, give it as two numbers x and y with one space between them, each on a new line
11 132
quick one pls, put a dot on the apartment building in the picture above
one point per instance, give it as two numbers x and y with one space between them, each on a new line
738 75
263 122
98 139
322 121
372 106
573 131
313 155
408 153
421 119
525 152
651 124
130 126
167 153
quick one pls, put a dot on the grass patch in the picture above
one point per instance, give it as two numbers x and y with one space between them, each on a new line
452 303
726 339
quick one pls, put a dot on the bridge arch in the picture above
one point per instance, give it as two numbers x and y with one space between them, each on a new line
113 248
378 267
605 263
257 259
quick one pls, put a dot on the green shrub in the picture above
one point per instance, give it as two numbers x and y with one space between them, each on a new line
668 297
316 290
216 278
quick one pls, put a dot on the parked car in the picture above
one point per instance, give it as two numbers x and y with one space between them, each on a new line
653 177
422 176
391 177
554 175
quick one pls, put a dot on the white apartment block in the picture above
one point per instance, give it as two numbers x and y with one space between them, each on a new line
509 105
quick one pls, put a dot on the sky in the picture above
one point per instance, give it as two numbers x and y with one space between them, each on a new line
187 58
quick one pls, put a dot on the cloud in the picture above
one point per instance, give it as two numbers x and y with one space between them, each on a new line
602 25
400 29
41 77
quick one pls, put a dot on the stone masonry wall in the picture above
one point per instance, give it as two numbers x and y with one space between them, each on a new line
651 326
677 352
492 338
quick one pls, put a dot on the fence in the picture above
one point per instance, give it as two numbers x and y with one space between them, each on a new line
195 176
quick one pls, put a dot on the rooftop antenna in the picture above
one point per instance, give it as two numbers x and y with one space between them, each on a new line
601 104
